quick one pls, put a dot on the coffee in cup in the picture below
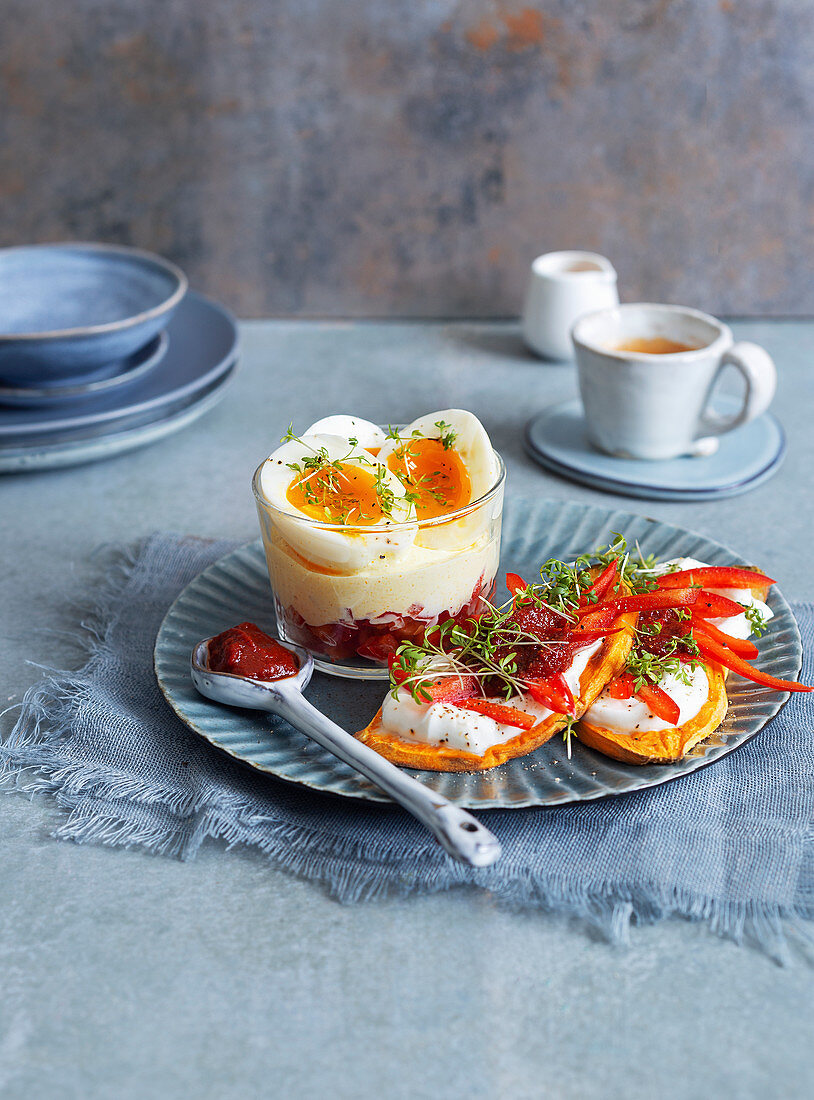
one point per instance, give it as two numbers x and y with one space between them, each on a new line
654 345
646 374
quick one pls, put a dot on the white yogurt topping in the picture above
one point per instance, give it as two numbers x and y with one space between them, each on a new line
467 730
631 716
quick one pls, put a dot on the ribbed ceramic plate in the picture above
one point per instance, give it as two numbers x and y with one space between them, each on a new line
236 588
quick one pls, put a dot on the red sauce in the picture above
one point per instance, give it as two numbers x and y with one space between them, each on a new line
558 646
244 650
670 626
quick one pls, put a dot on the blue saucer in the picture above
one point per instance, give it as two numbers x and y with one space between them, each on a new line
745 459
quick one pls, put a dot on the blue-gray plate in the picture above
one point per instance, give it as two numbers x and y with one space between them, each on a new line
202 346
236 588
746 458
123 374
73 449
67 311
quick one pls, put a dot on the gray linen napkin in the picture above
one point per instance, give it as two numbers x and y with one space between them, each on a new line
731 844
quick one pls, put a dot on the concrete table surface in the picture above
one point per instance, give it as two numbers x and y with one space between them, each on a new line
126 975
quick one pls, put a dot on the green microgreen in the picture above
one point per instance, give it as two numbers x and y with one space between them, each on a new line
486 647
649 667
483 648
636 572
568 732
757 620
446 434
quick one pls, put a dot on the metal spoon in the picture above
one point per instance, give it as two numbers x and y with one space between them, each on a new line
457 831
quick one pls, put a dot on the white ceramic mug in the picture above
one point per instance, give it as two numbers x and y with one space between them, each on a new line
641 404
562 287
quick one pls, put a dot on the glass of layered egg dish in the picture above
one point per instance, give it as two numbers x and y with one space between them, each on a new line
373 536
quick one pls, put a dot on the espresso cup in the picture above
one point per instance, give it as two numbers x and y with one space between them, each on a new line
647 372
562 287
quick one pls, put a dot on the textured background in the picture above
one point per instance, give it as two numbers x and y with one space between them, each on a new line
399 157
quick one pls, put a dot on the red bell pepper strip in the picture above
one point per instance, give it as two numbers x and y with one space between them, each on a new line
602 584
515 583
582 638
562 684
660 703
649 601
450 689
596 620
554 694
711 605
622 687
685 658
728 659
507 716
398 673
546 693
714 576
742 646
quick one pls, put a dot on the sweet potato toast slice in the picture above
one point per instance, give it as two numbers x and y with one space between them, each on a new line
603 666
661 746
669 745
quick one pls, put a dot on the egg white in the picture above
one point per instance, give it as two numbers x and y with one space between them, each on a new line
367 435
324 546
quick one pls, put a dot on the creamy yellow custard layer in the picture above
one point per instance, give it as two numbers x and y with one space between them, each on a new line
431 579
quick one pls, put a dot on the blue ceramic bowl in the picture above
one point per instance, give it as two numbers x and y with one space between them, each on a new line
75 311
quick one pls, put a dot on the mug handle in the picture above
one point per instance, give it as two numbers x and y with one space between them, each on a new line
758 370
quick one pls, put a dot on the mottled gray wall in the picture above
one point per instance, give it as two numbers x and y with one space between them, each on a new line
374 157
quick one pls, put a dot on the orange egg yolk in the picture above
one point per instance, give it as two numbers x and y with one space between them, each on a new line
437 476
337 495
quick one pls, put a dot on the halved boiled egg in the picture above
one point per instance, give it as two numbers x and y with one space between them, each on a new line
368 436
445 459
322 479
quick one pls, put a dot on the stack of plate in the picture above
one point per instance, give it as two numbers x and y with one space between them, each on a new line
102 349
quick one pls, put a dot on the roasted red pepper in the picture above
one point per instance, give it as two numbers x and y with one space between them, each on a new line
742 646
515 583
711 605
728 659
622 687
505 715
660 703
647 601
714 576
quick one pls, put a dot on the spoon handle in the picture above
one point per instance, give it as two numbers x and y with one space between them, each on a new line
457 831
